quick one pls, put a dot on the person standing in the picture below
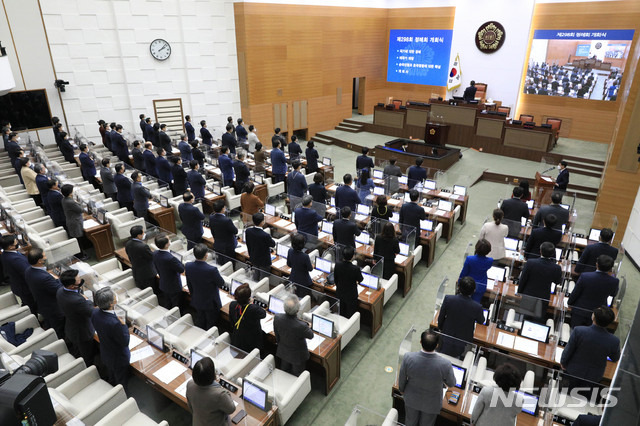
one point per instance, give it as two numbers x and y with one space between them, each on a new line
29 179
226 167
141 196
141 258
197 153
299 262
589 256
291 334
296 181
74 218
365 185
108 180
164 141
241 135
203 281
421 377
241 172
123 188
495 232
169 269
387 245
114 338
294 149
416 174
592 290
191 218
345 195
87 165
259 244
244 316
563 177
123 149
538 236
562 214
77 309
470 92
209 403
347 276
277 137
44 287
223 231
149 160
191 132
250 203
252 138
278 163
14 265
476 267
259 157
66 148
490 408
54 198
143 124
180 182
363 161
42 183
312 156
185 148
196 181
163 168
149 132
229 140
344 229
306 218
514 210
317 190
205 134
411 214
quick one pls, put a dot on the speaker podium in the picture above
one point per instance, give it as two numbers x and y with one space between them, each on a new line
543 189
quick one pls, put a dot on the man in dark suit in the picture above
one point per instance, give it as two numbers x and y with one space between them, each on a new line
291 334
416 174
42 182
347 196
241 135
185 149
296 181
223 231
412 213
191 132
123 186
123 149
163 138
421 379
364 161
180 182
470 92
114 338
241 172
457 318
203 281
149 160
259 243
14 265
347 276
514 210
141 258
196 181
541 235
191 218
138 156
306 218
77 310
141 196
592 252
143 124
205 134
226 167
66 148
585 356
535 281
163 168
563 177
149 133
169 269
44 287
294 149
591 291
278 163
229 140
54 199
108 180
345 230
562 214
87 165
277 137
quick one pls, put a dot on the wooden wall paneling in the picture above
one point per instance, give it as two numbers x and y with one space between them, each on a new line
277 121
296 115
303 114
284 116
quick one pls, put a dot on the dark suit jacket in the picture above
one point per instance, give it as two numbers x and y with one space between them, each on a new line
241 132
67 150
114 339
197 183
191 218
470 93
229 141
586 353
226 167
143 125
306 220
191 132
458 315
587 262
123 150
205 134
561 214
258 243
537 276
411 214
150 134
539 236
185 151
364 162
180 183
347 196
198 155
344 232
87 166
163 169
318 192
141 259
514 209
169 269
278 162
203 281
123 185
223 231
242 172
416 174
294 151
300 265
347 276
296 183
138 159
165 141
150 163
44 287
54 198
140 195
15 265
592 290
43 188
563 179
291 334
78 311
312 159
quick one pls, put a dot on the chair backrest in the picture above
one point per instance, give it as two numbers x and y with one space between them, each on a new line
481 90
556 123
505 109
397 103
526 118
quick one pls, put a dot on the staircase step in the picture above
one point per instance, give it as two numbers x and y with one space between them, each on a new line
347 129
352 125
576 164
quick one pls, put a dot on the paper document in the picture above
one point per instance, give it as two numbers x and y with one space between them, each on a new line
526 345
134 341
323 235
559 351
474 398
90 223
362 288
280 263
182 389
267 324
315 274
290 227
139 354
169 372
441 212
183 279
444 194
207 233
581 241
241 248
225 299
315 342
400 258
361 217
491 284
282 223
547 178
505 340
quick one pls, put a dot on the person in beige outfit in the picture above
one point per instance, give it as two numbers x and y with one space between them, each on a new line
210 403
29 179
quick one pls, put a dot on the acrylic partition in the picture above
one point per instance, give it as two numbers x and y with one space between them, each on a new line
363 416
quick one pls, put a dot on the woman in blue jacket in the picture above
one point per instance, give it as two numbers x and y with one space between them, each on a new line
476 267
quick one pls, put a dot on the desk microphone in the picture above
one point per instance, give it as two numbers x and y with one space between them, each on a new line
548 170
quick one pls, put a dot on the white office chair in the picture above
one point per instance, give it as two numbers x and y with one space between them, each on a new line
417 255
110 205
68 365
19 197
438 231
230 366
183 335
10 309
256 286
128 414
511 319
274 189
122 223
347 327
56 244
482 375
309 178
37 340
283 389
231 200
42 226
456 213
110 270
147 311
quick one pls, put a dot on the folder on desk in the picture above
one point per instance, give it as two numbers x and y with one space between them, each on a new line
526 345
506 340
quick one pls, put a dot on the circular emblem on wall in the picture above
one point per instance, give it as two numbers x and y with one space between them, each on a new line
598 45
490 37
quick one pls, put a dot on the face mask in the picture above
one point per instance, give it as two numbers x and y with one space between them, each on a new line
559 168
144 237
18 138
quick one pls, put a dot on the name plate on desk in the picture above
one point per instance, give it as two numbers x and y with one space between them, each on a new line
139 333
561 420
183 359
228 386
506 328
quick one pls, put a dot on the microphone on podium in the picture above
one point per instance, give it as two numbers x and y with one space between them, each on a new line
548 170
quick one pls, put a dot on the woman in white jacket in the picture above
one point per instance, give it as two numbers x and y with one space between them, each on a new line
495 232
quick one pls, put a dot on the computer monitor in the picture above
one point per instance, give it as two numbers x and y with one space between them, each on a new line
370 281
460 190
327 227
101 216
558 253
258 178
530 204
407 197
459 373
234 286
496 273
445 205
458 98
378 174
429 184
276 305
378 190
594 234
270 209
254 394
362 209
323 265
485 313
176 255
530 405
363 238
282 250
154 338
535 331
164 201
565 206
195 357
426 225
326 161
395 217
404 249
402 180
333 201
511 244
322 325
217 188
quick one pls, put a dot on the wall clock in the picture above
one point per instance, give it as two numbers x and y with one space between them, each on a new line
160 49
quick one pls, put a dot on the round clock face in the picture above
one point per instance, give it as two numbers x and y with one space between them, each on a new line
160 49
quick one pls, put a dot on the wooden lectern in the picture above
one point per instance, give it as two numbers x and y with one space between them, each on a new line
543 189
436 133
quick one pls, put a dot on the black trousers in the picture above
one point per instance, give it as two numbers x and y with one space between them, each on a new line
37 198
86 349
171 300
127 204
207 318
291 368
119 375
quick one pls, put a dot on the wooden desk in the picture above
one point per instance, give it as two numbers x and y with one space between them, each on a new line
164 217
428 243
209 200
101 238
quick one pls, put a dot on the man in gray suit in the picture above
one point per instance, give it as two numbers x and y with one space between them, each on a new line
420 380
291 334
108 183
209 403
392 171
